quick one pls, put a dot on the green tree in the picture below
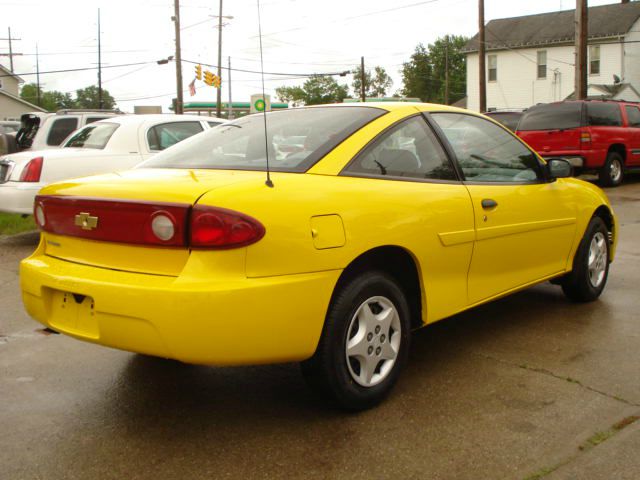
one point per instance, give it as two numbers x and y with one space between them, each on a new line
319 89
51 101
88 98
424 74
376 83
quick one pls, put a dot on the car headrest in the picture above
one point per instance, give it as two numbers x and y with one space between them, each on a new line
399 160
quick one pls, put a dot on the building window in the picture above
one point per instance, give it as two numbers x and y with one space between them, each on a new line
594 60
493 68
542 64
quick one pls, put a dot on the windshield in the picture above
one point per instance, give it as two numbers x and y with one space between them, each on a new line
95 136
296 140
552 116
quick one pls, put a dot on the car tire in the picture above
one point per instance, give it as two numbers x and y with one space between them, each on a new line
364 343
590 271
612 173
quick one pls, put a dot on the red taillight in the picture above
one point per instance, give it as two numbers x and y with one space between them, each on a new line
145 223
122 221
585 137
213 227
32 170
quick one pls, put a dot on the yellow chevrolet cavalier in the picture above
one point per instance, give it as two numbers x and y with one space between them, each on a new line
377 219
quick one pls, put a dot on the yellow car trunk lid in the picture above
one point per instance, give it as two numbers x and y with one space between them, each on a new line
81 216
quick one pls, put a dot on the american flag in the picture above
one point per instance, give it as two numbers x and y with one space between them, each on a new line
192 87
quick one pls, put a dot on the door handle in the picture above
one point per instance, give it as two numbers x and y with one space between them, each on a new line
489 203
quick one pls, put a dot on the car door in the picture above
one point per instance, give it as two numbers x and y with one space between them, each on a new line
633 121
417 189
524 224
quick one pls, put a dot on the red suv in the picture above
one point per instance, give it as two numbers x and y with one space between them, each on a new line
594 135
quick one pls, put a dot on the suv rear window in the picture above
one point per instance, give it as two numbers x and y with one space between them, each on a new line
61 129
552 116
604 114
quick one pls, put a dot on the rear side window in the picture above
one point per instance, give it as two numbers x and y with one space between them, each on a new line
603 114
168 134
60 129
410 149
94 119
552 116
633 114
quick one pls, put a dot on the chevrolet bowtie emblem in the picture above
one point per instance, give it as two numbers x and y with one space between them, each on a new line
86 221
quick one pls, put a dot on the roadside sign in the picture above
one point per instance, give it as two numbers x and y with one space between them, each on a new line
259 103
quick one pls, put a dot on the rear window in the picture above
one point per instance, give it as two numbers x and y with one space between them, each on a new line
552 116
508 119
241 145
60 129
95 136
603 114
633 114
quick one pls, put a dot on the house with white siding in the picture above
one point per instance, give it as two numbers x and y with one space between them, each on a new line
11 105
531 59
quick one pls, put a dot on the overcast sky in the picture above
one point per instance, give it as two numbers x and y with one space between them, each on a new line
299 37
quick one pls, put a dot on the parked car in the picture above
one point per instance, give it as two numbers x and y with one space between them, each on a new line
331 257
601 136
508 118
104 146
40 131
9 126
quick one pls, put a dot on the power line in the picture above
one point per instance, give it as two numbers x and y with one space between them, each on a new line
288 74
67 70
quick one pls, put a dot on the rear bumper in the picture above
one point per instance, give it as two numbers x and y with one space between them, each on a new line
17 197
205 321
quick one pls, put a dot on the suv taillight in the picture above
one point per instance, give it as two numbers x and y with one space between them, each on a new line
585 137
32 170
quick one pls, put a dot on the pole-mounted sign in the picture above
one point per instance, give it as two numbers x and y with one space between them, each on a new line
260 103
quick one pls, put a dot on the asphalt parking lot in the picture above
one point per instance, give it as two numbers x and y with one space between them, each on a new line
531 386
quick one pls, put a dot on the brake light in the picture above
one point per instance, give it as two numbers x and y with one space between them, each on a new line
32 170
585 137
146 223
219 228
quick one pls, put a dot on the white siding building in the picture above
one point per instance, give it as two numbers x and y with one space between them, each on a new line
530 59
11 105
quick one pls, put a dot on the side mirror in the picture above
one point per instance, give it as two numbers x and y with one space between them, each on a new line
559 168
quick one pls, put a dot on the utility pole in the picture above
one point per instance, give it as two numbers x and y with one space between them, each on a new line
446 70
363 77
481 58
230 115
37 76
176 21
100 102
11 54
219 92
582 25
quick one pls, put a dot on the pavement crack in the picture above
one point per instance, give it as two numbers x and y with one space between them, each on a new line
549 373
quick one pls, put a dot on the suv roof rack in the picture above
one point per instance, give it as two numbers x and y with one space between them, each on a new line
87 110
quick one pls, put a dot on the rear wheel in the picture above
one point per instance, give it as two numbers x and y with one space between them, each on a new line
364 344
590 265
612 172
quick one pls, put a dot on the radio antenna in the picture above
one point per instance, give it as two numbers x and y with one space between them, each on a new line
268 183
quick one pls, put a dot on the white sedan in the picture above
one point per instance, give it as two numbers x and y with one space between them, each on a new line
117 143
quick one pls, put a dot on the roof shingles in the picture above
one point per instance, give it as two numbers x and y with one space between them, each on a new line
556 27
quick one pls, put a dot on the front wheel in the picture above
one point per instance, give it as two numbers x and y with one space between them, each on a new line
364 344
612 172
586 281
